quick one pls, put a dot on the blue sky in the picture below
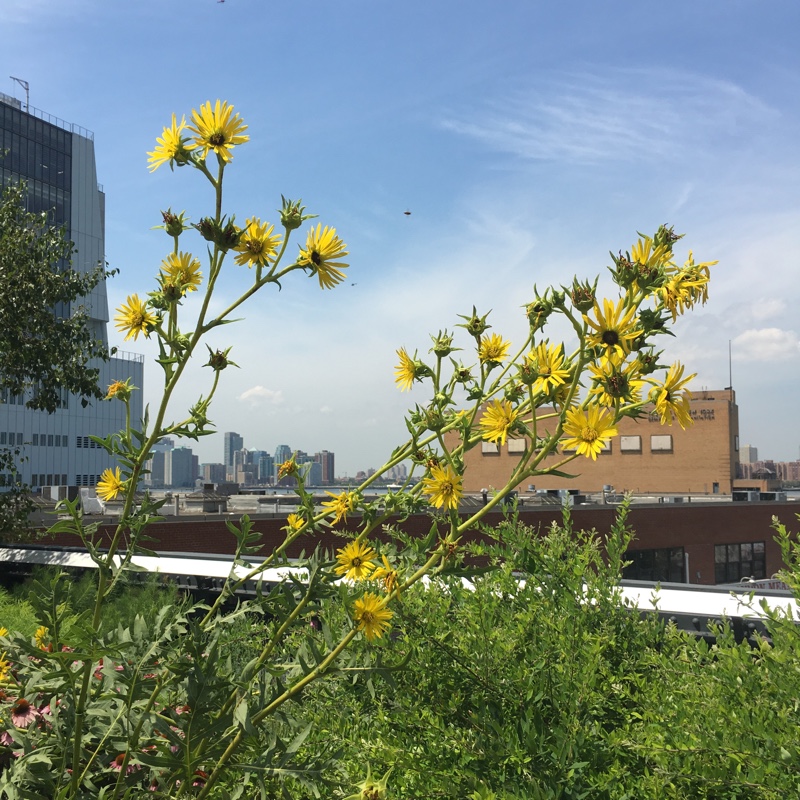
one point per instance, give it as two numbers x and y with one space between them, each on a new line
527 139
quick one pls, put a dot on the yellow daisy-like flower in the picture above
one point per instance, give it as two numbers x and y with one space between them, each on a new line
645 256
493 348
387 575
443 487
498 418
217 129
405 373
614 329
295 522
340 505
588 431
355 561
616 383
40 637
133 317
5 665
3 630
110 484
119 390
371 615
323 247
672 399
171 146
257 244
548 362
686 286
182 270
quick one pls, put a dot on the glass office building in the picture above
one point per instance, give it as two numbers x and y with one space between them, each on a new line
56 160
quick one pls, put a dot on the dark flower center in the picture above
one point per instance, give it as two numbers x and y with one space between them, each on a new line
610 338
316 258
357 562
216 139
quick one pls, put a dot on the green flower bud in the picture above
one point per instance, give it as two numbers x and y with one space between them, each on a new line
583 295
442 345
624 272
292 216
475 325
218 359
666 236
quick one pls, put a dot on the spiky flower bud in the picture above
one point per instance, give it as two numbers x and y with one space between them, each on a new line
292 216
474 324
583 295
442 344
218 359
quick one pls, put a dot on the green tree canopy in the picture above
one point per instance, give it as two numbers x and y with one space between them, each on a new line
38 345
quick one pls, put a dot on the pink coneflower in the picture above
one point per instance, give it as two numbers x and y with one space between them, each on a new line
5 739
119 761
23 713
200 778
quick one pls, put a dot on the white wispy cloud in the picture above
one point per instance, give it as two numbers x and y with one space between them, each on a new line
618 115
259 396
766 344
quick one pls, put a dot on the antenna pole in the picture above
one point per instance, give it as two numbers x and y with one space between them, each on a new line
27 87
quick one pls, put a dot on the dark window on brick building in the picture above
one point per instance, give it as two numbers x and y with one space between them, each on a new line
732 562
659 564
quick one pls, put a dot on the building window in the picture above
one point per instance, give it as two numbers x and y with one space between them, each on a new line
630 444
659 564
49 439
516 445
489 448
661 443
732 562
35 439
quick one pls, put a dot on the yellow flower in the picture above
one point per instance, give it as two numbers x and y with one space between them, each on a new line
295 522
387 575
443 487
686 286
614 329
323 246
181 270
644 256
340 505
672 400
588 432
3 631
110 484
40 636
217 130
134 318
405 373
615 383
371 615
493 348
171 146
257 244
497 420
120 390
355 561
5 666
548 362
